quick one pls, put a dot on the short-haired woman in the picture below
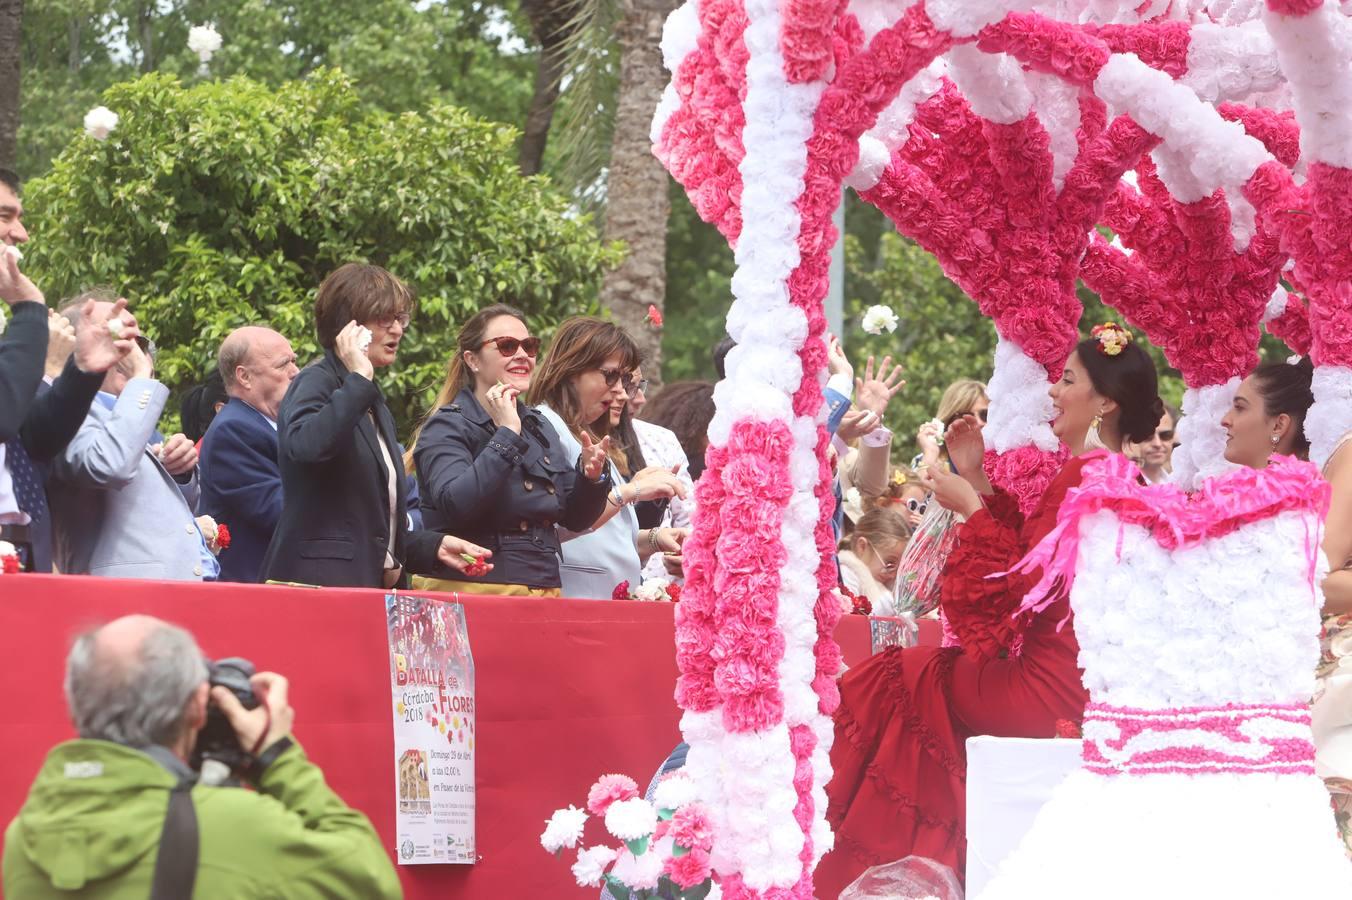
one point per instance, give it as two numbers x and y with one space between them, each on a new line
493 468
589 370
342 521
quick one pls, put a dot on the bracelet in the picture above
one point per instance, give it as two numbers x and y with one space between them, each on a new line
615 498
652 539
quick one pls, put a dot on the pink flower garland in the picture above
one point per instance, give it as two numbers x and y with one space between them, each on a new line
1160 45
806 38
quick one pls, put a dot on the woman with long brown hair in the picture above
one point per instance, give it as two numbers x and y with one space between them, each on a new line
490 466
590 367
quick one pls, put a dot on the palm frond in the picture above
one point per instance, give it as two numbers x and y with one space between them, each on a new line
584 120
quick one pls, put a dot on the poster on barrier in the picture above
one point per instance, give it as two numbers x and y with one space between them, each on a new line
432 695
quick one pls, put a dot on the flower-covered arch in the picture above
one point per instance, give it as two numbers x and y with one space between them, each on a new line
998 135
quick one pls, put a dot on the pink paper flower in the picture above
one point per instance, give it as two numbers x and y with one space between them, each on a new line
607 790
691 828
689 870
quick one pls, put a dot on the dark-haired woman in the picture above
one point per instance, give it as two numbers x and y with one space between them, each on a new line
899 753
494 469
344 494
588 372
1266 417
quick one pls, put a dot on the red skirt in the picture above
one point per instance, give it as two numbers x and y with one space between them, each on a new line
899 759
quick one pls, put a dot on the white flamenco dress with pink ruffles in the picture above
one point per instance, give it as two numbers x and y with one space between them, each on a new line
1198 624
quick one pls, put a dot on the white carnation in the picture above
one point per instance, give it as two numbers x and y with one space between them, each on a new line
652 589
116 327
591 864
674 792
204 40
878 319
363 338
14 252
853 497
641 873
99 122
564 829
630 820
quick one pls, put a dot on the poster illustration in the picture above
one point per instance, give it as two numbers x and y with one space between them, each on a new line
432 697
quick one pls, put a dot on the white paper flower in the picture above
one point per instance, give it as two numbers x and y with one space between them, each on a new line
591 865
99 122
674 792
564 829
630 820
640 874
363 338
653 589
878 319
8 549
116 327
204 40
15 252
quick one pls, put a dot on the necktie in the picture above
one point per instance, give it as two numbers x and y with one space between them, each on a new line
28 490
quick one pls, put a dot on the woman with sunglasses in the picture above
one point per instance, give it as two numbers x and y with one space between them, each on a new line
589 372
490 467
964 397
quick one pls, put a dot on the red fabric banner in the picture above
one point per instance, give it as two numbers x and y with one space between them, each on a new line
567 690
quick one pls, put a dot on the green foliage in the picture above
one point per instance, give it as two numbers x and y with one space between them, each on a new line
941 336
226 203
399 55
699 292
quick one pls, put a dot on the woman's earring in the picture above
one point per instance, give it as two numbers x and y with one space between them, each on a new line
1092 440
1276 439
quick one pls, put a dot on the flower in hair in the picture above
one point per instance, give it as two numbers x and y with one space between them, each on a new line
898 477
1112 338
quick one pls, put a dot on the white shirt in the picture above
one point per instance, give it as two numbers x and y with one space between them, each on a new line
9 504
661 447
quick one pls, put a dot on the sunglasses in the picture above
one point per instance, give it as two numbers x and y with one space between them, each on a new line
1165 436
917 506
617 376
147 346
983 415
508 346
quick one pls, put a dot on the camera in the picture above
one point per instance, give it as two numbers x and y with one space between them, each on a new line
217 743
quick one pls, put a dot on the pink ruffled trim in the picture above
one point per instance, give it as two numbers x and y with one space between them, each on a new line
1173 518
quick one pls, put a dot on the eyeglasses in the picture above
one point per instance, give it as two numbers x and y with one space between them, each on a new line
917 506
508 346
640 386
984 414
888 566
616 376
388 321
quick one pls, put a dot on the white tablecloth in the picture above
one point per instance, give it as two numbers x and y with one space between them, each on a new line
1008 780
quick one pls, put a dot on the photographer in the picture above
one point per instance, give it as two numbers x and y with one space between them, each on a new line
101 807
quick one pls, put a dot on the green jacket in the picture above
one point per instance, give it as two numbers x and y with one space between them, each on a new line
92 820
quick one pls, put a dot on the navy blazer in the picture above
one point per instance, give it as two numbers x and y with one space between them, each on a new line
502 490
335 518
241 486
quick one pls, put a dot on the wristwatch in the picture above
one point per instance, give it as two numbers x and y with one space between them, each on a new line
255 769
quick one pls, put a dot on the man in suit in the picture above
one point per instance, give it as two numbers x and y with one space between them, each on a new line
36 422
122 498
241 481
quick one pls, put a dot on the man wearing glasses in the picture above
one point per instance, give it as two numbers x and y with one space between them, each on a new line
122 496
1156 454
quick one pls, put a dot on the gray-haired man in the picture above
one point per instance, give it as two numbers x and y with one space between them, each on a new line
138 693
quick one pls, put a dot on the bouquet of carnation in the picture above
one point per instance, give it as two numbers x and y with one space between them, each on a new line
9 558
652 590
216 534
664 845
922 564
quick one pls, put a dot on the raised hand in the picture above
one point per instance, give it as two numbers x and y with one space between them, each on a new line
594 456
873 393
104 336
178 455
857 423
966 446
500 403
837 363
927 438
14 285
60 343
348 346
951 491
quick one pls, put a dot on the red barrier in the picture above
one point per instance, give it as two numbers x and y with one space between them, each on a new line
566 690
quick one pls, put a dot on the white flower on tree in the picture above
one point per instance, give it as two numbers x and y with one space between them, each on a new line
99 122
204 40
878 319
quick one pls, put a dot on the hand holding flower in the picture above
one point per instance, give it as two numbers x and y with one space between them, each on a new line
14 285
952 491
350 351
460 555
857 423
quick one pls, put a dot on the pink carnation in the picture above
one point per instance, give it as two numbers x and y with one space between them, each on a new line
691 828
607 790
688 870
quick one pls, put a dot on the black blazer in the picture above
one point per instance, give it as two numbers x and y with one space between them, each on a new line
502 490
335 517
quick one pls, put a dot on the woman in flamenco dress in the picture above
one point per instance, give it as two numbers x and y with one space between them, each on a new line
899 759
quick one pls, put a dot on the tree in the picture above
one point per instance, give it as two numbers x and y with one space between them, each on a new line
553 22
11 61
226 203
637 190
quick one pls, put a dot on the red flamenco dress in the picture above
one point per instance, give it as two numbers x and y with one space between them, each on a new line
899 757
